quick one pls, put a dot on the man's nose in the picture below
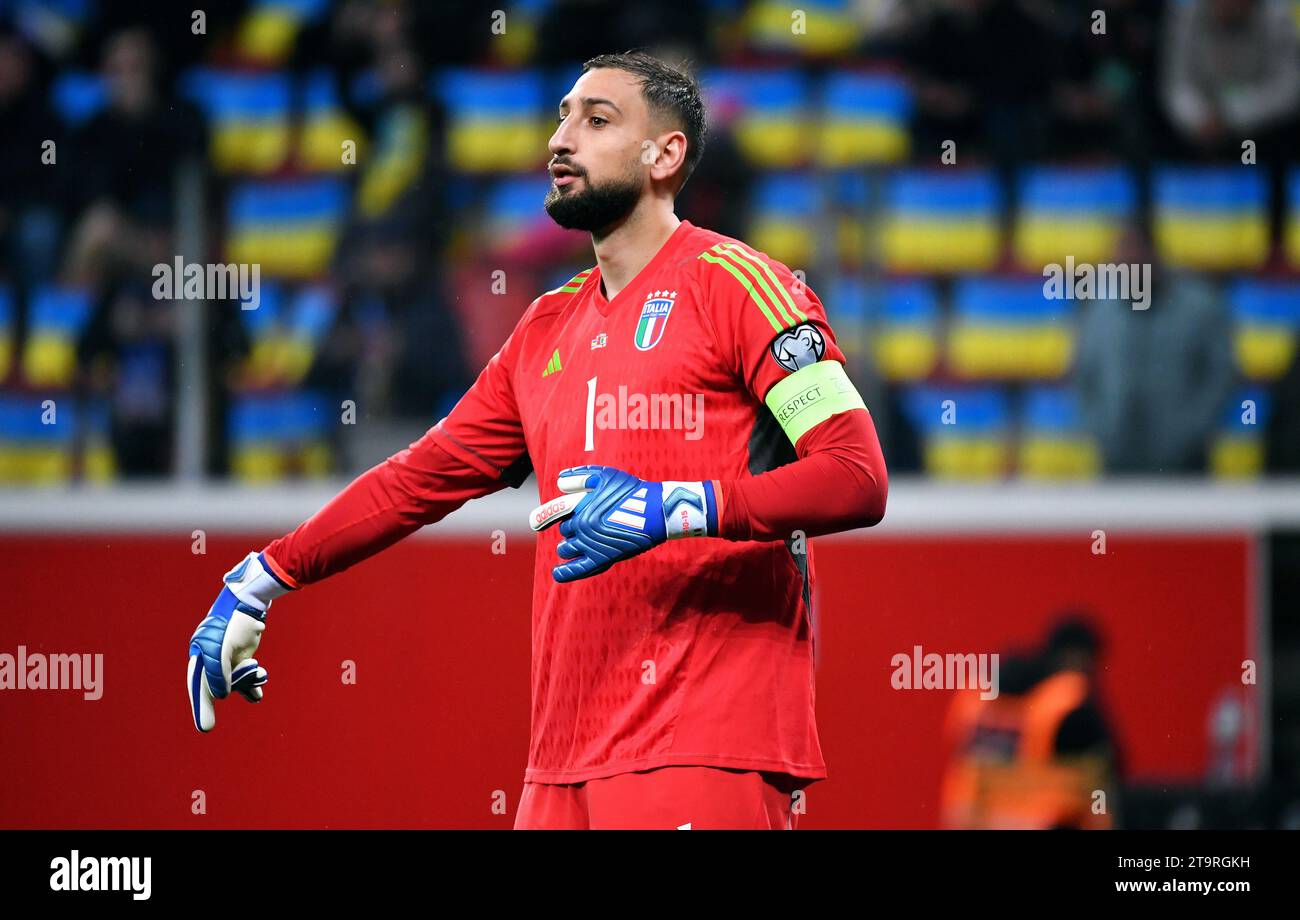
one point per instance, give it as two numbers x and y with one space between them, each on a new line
561 142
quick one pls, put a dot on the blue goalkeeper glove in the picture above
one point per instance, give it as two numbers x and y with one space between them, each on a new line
608 515
221 649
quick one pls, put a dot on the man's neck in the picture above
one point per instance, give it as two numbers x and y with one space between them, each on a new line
624 251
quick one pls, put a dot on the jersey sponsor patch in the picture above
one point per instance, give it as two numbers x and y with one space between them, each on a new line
654 317
799 347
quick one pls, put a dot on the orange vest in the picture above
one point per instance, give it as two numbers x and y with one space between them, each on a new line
1005 773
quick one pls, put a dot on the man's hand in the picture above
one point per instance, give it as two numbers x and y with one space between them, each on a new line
221 649
609 515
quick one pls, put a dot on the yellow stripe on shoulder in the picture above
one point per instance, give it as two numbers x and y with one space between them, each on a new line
574 284
767 292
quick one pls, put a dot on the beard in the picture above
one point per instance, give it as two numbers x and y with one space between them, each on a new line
596 207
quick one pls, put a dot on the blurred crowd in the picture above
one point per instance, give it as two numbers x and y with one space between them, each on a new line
408 270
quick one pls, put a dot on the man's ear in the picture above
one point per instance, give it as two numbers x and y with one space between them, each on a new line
665 155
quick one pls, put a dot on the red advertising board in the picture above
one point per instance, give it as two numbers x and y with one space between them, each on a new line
436 630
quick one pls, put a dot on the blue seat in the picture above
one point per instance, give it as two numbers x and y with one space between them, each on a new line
773 112
1072 211
784 208
1054 442
1238 447
289 228
1005 328
1211 217
964 430
495 119
1266 314
941 221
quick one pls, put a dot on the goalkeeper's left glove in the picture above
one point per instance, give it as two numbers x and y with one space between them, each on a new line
609 515
222 648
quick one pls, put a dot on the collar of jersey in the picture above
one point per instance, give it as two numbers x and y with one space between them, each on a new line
606 307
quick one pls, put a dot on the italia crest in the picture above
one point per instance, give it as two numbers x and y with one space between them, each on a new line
654 317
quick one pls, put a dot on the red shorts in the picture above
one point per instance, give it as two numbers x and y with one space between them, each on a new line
706 798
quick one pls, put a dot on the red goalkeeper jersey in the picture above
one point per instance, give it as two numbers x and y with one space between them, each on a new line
699 652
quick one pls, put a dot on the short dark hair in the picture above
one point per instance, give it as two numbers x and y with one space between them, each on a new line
669 92
1074 631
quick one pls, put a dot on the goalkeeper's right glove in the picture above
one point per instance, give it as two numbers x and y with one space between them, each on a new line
221 649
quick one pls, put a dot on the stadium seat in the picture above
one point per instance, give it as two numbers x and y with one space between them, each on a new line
1054 443
280 435
1212 217
39 437
493 120
964 431
784 212
286 331
1067 211
941 221
849 194
905 330
1007 328
312 315
248 116
269 29
516 45
264 327
1267 318
1237 449
56 317
325 126
78 96
400 151
824 27
289 228
513 205
98 462
1292 231
772 125
365 89
847 298
864 120
7 331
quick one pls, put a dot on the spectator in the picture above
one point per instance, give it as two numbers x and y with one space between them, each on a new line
29 213
398 305
1284 422
1103 98
127 355
571 31
717 194
126 159
979 70
1034 756
1153 383
1231 71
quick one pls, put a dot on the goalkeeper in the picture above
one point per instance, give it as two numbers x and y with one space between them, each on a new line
679 545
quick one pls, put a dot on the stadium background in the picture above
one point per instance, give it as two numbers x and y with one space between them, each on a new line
382 288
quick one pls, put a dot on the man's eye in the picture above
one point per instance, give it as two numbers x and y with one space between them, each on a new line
559 118
597 118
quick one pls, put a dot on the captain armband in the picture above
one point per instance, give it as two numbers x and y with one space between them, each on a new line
810 396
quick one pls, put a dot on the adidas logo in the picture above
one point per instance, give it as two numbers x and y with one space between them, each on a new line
553 367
